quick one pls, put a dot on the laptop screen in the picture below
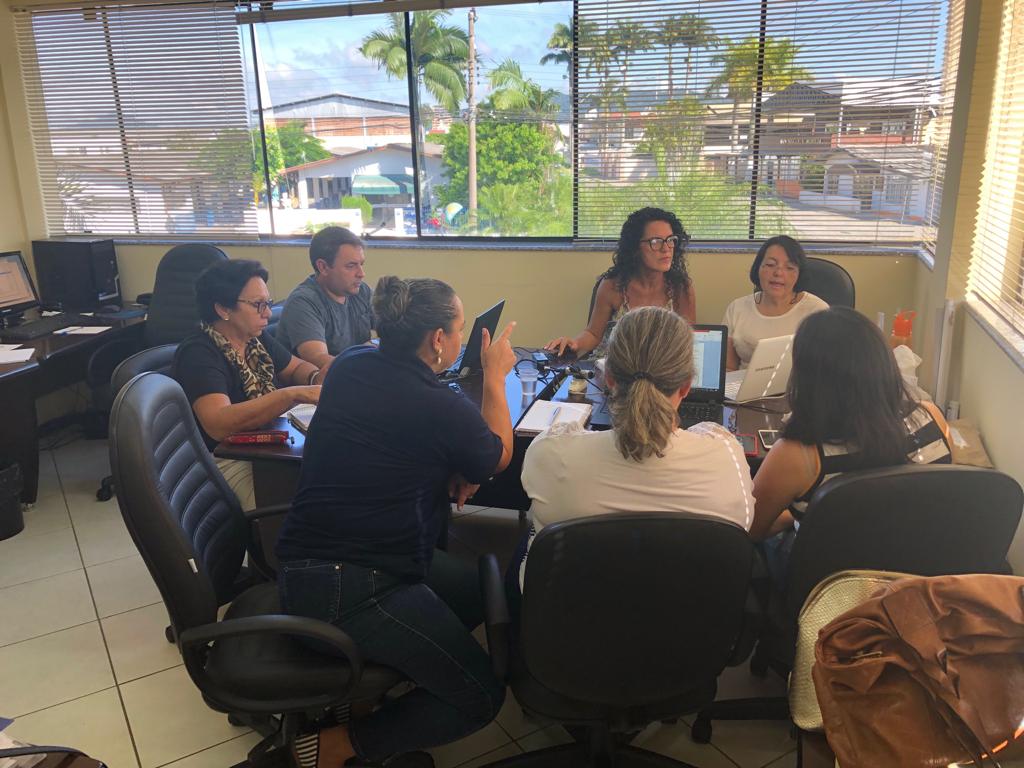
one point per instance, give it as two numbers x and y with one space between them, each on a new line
16 290
708 363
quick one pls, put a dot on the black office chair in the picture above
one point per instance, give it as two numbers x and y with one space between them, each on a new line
593 297
173 313
829 282
626 619
192 535
926 520
156 359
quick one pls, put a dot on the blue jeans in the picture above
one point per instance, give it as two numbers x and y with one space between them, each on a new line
420 629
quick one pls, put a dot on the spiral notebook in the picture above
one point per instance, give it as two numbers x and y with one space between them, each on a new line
545 413
300 416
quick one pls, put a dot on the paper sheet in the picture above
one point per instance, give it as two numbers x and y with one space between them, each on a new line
15 355
82 330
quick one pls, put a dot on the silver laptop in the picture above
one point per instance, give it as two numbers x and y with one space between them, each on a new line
766 375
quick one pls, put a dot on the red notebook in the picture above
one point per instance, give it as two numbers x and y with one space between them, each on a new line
261 436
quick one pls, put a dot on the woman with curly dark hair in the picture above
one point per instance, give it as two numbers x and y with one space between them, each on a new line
648 270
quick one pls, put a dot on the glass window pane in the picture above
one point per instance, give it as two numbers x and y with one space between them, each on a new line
336 116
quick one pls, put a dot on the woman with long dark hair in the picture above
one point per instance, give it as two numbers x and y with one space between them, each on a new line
850 410
777 305
648 270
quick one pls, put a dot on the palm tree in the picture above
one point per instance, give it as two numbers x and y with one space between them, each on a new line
627 38
560 46
739 73
511 91
689 31
440 52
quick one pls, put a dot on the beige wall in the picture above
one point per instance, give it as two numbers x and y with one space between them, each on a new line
991 386
547 292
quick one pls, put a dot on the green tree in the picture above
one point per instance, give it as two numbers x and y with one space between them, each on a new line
627 38
689 31
560 46
297 146
528 208
740 63
440 52
674 134
507 153
511 91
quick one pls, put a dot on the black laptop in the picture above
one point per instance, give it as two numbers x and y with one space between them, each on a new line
469 361
707 393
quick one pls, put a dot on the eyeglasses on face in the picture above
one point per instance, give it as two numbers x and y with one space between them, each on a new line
259 306
656 243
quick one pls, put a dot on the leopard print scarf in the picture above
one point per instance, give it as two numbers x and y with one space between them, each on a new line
256 370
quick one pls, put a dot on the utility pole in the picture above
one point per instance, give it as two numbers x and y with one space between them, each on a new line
471 118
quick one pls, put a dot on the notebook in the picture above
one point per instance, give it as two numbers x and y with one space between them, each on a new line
544 413
301 415
766 375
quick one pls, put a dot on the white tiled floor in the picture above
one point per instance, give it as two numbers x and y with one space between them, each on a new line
83 660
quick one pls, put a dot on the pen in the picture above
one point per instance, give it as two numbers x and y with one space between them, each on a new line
554 416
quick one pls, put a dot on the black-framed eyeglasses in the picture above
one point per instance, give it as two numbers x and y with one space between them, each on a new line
259 306
655 243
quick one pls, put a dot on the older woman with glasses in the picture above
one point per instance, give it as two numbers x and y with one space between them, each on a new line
648 270
235 375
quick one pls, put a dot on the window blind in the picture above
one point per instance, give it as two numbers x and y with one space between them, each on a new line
996 273
138 117
822 119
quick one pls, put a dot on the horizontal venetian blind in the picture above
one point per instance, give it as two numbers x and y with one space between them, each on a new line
997 274
138 117
815 118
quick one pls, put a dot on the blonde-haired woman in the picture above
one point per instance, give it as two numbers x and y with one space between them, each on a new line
646 462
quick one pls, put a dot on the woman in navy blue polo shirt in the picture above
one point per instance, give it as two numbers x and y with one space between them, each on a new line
388 444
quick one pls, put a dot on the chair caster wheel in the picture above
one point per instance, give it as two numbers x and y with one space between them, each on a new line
169 634
700 731
104 494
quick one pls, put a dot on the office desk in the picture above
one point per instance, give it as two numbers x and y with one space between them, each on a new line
59 361
276 467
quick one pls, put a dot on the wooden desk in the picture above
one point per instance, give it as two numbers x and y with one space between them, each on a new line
59 361
276 467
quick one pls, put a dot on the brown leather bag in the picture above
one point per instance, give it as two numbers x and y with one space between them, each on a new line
928 672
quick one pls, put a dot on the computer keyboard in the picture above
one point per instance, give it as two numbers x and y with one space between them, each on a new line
46 325
695 413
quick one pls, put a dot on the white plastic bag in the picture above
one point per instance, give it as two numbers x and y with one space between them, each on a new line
908 361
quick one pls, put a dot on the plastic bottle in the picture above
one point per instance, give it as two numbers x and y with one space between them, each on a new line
902 329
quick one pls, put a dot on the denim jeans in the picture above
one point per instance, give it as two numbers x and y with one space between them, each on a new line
422 630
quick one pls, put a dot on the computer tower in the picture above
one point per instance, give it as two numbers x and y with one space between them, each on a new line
78 275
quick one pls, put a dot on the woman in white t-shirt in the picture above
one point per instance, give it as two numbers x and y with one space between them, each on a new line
646 463
778 303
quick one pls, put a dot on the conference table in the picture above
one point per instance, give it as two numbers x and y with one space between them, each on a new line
276 466
60 360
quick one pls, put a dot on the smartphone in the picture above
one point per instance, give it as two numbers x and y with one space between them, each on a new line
768 437
749 444
542 357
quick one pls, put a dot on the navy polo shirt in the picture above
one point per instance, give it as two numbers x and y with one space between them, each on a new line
386 437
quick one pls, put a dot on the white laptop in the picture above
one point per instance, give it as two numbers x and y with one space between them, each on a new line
766 375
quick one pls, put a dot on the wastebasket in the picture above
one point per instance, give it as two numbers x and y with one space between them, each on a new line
11 520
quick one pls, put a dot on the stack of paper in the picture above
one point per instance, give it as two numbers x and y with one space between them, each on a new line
82 330
14 353
544 413
300 416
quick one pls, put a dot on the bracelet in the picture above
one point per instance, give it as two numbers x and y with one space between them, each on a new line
313 376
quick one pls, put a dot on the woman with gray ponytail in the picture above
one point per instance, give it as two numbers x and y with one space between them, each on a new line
646 463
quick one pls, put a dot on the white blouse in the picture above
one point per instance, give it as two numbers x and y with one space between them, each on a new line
747 325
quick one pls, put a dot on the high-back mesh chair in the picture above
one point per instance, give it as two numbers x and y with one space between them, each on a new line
930 520
626 619
192 535
829 282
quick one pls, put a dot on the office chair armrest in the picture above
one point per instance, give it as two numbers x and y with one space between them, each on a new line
194 643
497 623
264 524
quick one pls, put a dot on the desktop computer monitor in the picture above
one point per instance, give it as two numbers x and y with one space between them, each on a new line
17 293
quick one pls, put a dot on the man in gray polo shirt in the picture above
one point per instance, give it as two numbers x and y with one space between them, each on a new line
330 310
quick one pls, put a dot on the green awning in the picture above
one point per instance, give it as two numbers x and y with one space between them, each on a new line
389 184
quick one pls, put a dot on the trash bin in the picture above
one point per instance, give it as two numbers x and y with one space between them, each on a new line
11 520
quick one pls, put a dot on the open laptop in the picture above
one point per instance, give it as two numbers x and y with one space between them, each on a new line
766 375
468 362
707 393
